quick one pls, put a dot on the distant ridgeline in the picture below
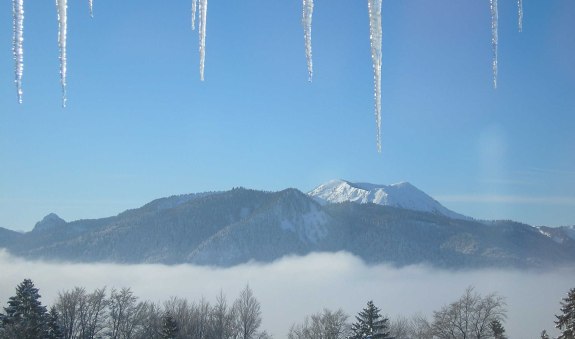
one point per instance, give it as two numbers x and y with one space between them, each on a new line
403 226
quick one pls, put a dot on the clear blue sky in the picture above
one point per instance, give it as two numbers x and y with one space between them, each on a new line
140 125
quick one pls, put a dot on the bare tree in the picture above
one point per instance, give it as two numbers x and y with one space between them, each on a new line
263 335
182 312
201 314
324 325
469 317
248 312
300 331
420 328
68 305
82 315
126 314
222 319
151 328
92 314
400 327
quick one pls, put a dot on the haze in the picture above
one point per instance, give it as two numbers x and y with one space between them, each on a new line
293 287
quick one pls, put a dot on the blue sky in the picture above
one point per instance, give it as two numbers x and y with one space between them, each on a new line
141 125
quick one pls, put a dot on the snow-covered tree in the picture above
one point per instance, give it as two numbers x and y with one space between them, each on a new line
497 329
2 316
544 335
184 315
468 317
222 319
25 316
68 305
153 317
53 326
324 325
82 315
169 327
420 327
566 321
370 324
126 314
201 319
400 327
249 314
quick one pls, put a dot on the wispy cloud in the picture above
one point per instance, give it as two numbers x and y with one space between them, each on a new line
507 199
553 171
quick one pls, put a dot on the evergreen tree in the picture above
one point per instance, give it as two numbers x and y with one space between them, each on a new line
544 335
25 316
169 327
53 326
566 321
2 316
370 324
497 329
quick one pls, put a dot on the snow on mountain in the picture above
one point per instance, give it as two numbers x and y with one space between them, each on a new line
560 235
310 225
241 225
402 195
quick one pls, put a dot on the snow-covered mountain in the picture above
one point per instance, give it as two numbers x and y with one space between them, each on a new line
237 226
401 195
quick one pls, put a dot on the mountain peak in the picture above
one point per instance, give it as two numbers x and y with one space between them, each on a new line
48 222
402 195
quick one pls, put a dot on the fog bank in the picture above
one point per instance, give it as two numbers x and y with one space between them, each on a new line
293 287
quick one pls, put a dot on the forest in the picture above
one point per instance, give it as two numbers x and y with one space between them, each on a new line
119 314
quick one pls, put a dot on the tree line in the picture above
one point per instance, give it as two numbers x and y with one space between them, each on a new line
119 314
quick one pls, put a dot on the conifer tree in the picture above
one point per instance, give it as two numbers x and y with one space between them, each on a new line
566 321
169 327
25 316
2 316
497 329
370 324
52 325
544 335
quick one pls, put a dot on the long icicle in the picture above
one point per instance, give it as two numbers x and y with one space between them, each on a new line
494 39
375 35
194 8
306 22
18 44
520 12
62 7
202 34
91 4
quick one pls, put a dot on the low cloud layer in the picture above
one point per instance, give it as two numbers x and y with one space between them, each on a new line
293 287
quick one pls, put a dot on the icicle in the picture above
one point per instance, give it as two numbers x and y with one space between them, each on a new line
520 9
494 38
202 34
194 8
62 29
306 22
18 44
91 3
375 35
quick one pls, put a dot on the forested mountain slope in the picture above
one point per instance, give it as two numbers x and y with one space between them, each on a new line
241 225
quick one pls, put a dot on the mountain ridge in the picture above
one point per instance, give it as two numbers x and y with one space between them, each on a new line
242 225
